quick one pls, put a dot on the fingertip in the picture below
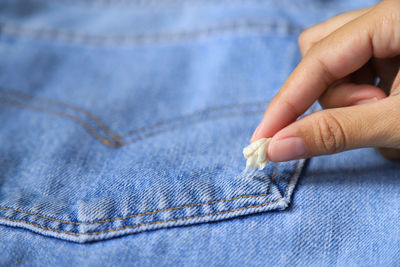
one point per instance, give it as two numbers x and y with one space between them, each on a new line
365 101
374 96
368 94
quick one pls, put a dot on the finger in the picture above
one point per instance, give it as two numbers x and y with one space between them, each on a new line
330 131
315 33
390 153
336 56
349 94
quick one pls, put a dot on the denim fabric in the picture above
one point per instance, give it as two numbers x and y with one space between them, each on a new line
344 213
113 132
121 117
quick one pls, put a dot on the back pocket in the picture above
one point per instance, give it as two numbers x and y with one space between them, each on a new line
111 134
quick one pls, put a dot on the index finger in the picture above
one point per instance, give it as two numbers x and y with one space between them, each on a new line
334 57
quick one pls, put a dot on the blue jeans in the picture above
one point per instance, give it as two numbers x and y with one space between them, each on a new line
122 129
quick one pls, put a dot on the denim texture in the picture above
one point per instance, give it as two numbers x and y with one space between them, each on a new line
114 132
121 117
344 213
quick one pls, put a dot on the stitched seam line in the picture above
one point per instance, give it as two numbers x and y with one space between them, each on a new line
157 222
109 142
117 142
138 225
151 2
193 122
66 106
193 114
105 141
260 27
227 107
144 213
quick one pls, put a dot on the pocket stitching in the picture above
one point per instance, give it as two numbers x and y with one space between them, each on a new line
168 220
149 212
141 224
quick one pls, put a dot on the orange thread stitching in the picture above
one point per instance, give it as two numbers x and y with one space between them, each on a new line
134 215
117 138
141 224
156 222
67 106
105 141
139 214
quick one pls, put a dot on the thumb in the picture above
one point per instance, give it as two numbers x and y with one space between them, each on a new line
375 124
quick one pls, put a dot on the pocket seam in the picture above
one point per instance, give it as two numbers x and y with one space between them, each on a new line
141 224
167 220
149 212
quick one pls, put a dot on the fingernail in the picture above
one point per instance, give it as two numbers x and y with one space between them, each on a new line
286 149
255 133
365 101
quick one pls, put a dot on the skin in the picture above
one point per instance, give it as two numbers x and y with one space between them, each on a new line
342 59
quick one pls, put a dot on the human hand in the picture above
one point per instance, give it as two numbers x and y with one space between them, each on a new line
342 59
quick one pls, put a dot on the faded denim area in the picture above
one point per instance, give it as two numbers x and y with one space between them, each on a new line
118 119
125 116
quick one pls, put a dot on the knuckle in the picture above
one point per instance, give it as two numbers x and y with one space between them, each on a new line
387 16
329 134
388 6
386 33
